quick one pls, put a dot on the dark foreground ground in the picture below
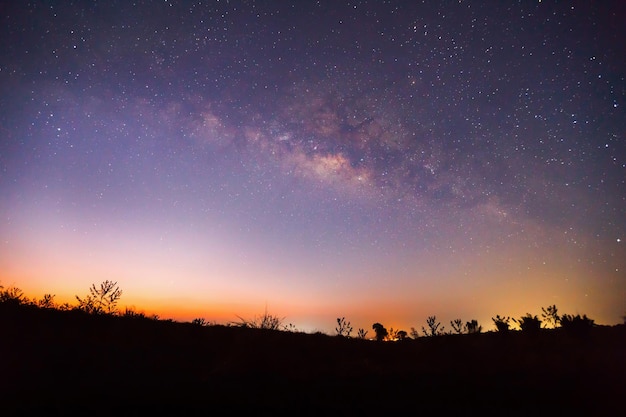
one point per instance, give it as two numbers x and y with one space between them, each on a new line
67 363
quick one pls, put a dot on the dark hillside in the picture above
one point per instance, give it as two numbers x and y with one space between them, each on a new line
67 362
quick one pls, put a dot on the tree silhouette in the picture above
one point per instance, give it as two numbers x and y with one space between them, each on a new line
402 335
502 323
472 327
551 316
343 327
381 332
102 300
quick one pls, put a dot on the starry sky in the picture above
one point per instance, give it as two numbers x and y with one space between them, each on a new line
379 160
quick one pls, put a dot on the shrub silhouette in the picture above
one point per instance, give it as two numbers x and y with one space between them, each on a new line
576 325
12 296
101 300
550 316
266 321
414 333
200 321
47 301
433 327
289 327
381 332
529 323
472 327
502 323
402 335
343 327
361 333
457 326
392 334
132 313
65 307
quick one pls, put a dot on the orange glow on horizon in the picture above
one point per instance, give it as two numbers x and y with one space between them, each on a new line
391 316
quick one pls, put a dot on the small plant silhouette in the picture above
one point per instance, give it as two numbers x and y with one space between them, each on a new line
361 333
392 334
502 323
290 327
529 323
472 327
381 332
102 300
130 312
414 333
402 335
433 327
343 328
457 326
550 316
266 321
65 307
200 321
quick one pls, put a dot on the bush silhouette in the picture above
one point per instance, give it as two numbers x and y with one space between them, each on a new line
132 313
102 300
343 327
529 323
289 327
381 332
361 333
12 296
392 334
472 327
551 316
47 301
266 321
433 327
200 321
502 323
576 325
457 326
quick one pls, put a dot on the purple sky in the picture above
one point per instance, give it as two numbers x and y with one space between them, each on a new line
383 161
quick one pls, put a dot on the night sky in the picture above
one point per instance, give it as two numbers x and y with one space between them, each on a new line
379 160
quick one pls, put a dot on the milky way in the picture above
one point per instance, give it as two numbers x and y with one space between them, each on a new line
381 159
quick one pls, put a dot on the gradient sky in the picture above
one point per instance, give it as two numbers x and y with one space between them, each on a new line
379 160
